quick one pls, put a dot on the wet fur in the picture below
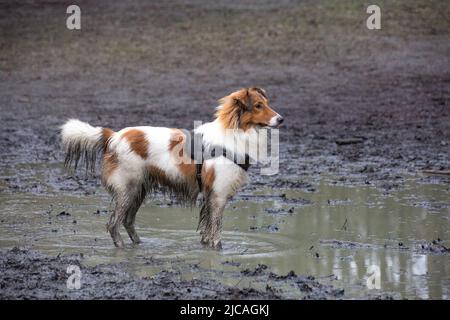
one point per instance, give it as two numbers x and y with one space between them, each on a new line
83 143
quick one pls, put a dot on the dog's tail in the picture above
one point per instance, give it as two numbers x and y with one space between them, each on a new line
82 142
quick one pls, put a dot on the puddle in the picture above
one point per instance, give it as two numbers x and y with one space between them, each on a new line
336 233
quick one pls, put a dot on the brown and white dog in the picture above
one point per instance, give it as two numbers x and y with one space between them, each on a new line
139 160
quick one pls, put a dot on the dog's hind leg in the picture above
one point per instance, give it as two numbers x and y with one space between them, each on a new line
130 218
114 222
123 205
129 225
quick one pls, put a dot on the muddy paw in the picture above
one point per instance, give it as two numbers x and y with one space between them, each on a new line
135 239
204 240
119 244
216 244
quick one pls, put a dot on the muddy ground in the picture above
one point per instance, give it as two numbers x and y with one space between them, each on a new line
27 274
166 64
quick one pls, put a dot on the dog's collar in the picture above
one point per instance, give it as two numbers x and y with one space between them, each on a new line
199 154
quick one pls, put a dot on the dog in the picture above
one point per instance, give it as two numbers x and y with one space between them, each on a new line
137 161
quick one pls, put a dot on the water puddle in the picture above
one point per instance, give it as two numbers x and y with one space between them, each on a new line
336 233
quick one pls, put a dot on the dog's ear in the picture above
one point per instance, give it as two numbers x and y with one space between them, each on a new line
261 91
243 100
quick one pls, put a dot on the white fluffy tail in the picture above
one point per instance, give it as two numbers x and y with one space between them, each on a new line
81 141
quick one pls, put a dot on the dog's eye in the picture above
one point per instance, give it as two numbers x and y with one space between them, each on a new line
258 106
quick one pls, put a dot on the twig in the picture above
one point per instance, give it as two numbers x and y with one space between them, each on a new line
259 196
344 226
243 251
436 172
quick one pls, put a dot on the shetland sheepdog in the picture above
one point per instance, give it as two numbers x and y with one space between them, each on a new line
137 161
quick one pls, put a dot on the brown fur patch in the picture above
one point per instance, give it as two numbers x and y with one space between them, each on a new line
208 177
245 109
110 164
110 159
185 191
177 138
159 175
106 134
189 170
138 142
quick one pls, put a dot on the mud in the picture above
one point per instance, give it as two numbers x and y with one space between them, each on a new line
26 274
363 109
435 247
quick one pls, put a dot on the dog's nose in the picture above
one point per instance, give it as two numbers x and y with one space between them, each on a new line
280 119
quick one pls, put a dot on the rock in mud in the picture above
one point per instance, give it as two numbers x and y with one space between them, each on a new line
434 247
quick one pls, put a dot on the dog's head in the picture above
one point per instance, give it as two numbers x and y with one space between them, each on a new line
247 108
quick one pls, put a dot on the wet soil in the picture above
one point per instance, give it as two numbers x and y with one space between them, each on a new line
27 274
362 108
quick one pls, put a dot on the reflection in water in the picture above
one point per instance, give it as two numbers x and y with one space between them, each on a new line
385 230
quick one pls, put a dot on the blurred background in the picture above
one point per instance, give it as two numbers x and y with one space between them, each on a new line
167 63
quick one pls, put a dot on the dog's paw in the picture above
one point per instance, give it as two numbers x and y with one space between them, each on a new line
217 244
119 244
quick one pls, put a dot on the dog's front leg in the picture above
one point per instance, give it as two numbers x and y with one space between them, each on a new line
211 221
216 227
203 221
